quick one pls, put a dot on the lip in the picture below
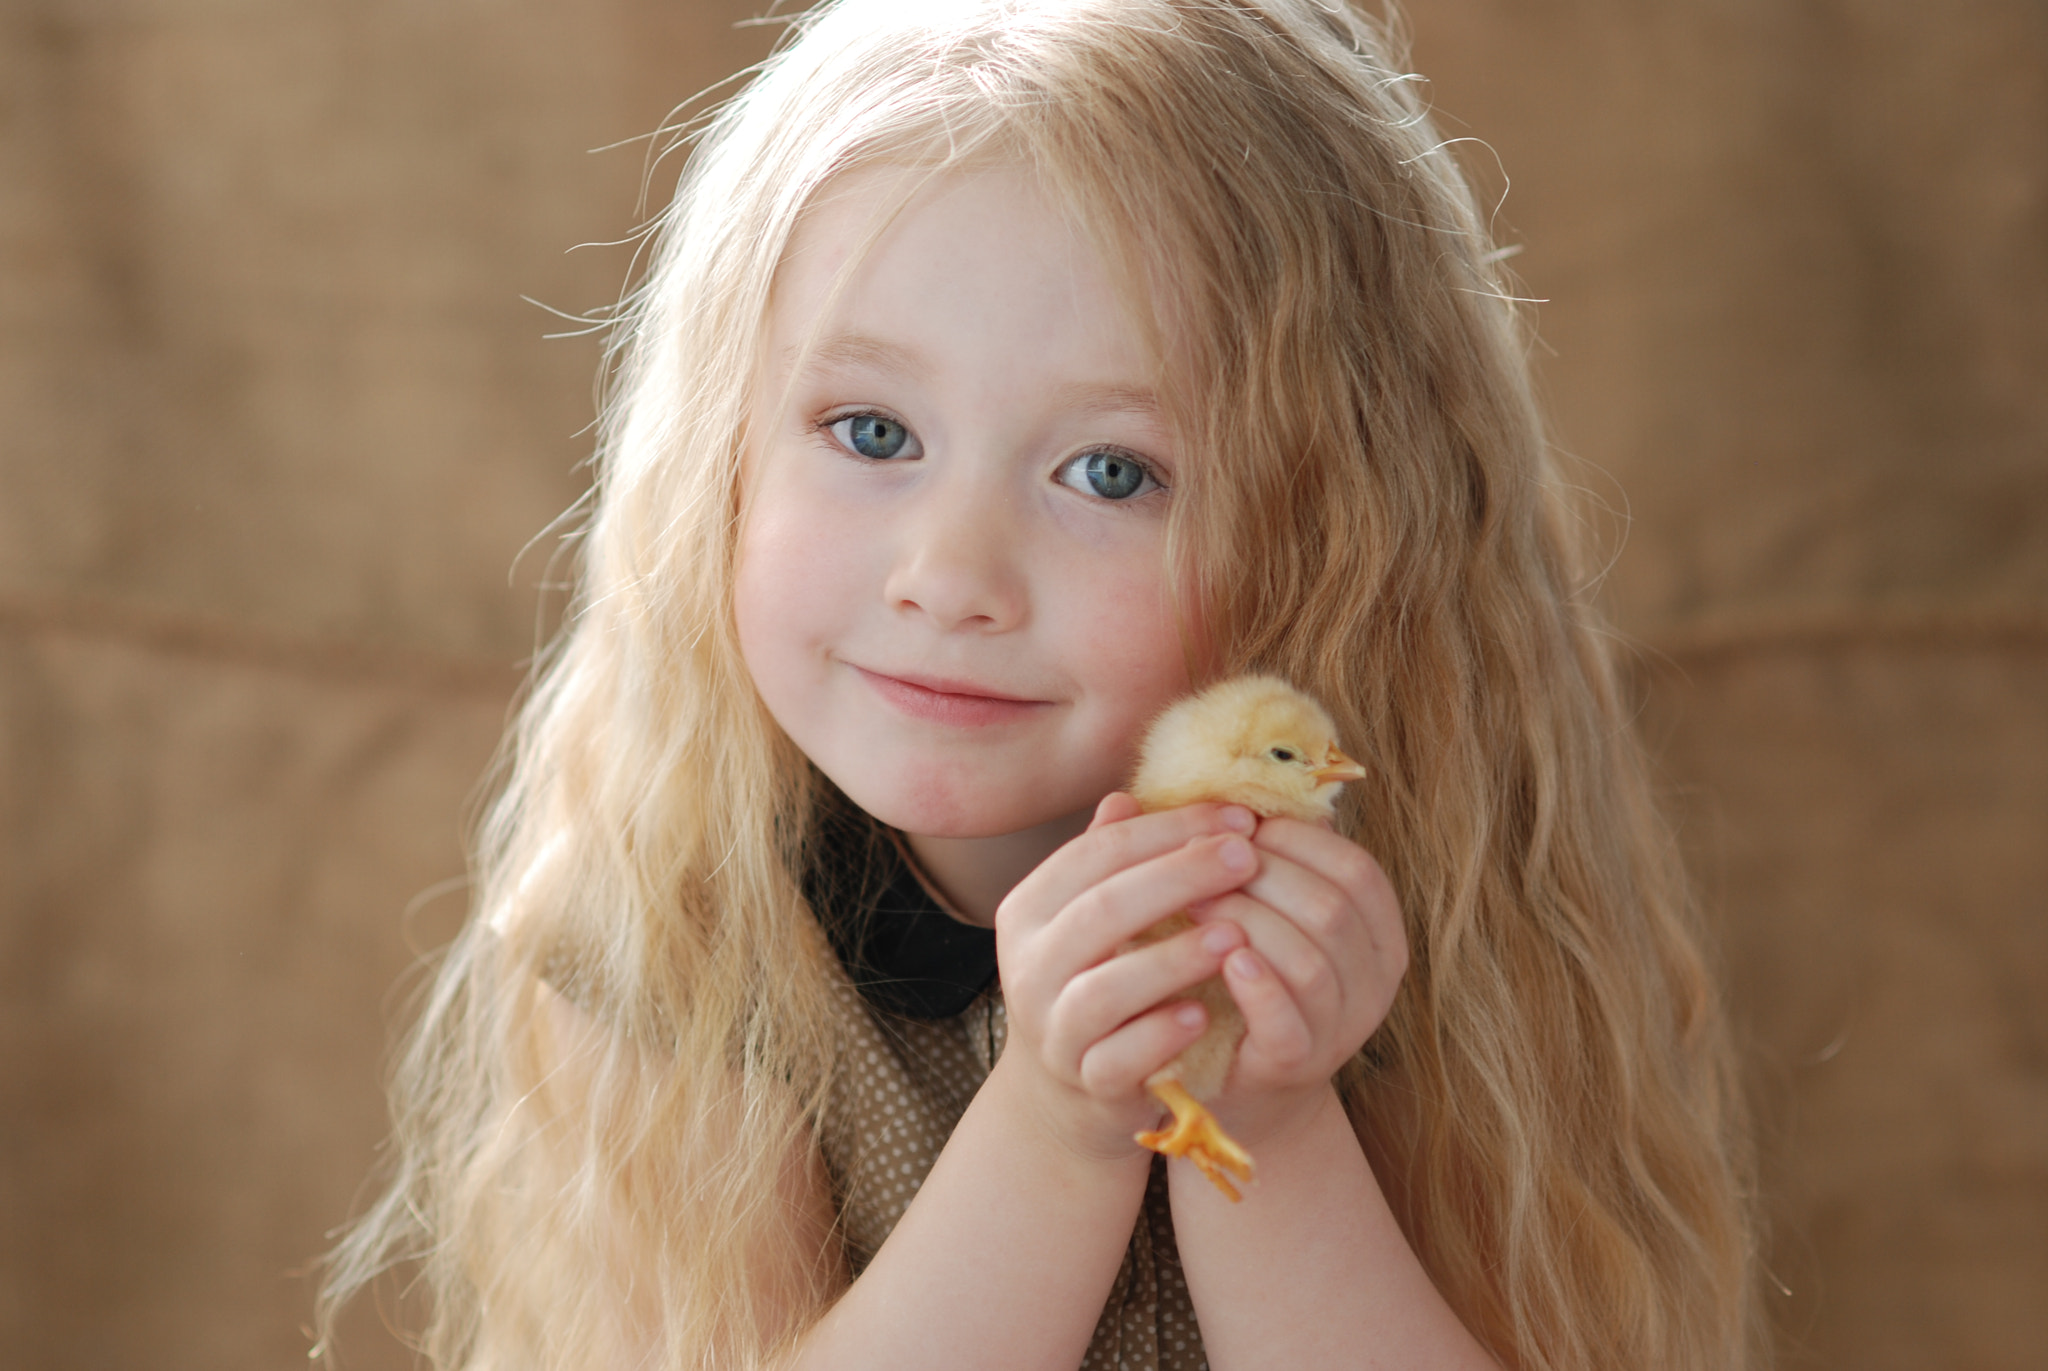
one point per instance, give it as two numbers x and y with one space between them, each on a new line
937 699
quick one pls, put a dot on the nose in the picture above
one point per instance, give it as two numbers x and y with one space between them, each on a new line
958 556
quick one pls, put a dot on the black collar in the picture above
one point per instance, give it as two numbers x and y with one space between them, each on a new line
903 953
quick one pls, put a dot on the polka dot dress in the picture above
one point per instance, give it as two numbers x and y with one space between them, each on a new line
907 1082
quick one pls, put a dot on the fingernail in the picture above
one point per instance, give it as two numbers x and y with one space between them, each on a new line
1239 818
1237 854
1245 965
1189 1016
1220 938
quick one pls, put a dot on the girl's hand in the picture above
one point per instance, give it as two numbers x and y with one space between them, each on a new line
1327 952
1086 1027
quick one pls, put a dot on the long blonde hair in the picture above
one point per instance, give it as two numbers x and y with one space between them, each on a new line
1372 513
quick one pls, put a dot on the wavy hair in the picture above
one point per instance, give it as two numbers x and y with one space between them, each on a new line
1371 511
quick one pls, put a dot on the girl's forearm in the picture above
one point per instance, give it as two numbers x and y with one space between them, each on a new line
1311 1269
1003 1260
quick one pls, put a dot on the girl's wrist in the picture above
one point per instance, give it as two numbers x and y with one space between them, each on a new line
1283 1117
1312 1138
1062 1119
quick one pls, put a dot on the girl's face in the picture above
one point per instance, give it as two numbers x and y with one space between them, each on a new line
951 589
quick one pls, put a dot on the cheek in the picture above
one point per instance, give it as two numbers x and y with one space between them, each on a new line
794 539
754 590
1139 660
775 580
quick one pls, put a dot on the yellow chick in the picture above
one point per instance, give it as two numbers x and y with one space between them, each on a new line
1255 741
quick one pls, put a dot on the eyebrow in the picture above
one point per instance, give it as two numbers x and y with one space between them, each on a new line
1099 397
858 349
903 360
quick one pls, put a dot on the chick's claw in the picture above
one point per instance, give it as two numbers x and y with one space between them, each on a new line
1196 1135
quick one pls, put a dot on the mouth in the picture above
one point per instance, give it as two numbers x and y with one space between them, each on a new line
943 700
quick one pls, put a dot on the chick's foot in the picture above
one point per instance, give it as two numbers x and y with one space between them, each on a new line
1195 1134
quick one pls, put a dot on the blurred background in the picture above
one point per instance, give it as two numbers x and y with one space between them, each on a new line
275 424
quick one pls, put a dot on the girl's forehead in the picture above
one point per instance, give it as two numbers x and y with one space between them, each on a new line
865 215
891 245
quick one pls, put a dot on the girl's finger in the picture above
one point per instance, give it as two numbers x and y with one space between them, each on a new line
1114 809
1276 1031
1345 865
1097 1002
1113 911
1109 847
1119 1063
1302 965
1327 916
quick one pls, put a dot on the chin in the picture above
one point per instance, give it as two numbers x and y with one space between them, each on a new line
936 817
941 811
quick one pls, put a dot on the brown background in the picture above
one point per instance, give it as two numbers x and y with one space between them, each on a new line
274 424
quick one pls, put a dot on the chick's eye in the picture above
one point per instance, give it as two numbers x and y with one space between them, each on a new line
1281 754
874 436
1107 475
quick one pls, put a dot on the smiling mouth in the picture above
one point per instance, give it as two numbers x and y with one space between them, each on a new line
959 703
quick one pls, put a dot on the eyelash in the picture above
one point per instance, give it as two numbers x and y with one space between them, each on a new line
828 425
1147 471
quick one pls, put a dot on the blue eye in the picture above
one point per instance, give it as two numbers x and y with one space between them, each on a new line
1107 475
874 436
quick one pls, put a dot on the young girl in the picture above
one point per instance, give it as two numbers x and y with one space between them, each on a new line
1008 368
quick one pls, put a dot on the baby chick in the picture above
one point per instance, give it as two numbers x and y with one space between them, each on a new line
1255 741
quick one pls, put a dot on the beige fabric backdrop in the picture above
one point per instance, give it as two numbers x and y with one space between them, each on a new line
275 423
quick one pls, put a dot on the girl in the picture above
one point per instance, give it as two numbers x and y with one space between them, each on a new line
1008 367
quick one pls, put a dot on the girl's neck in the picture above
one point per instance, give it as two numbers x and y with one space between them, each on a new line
974 874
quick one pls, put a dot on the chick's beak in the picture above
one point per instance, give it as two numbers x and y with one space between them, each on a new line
1337 767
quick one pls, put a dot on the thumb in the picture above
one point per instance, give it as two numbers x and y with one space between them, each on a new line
1115 808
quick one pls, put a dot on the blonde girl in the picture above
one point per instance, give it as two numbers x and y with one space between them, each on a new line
1004 369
